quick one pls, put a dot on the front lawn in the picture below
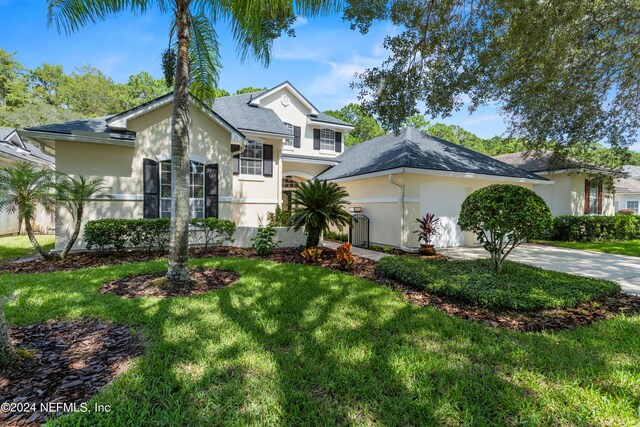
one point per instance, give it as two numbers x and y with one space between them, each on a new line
517 287
12 247
299 345
628 247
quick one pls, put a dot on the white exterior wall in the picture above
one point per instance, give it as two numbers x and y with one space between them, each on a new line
623 198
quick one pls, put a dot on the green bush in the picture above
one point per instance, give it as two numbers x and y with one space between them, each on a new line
595 228
332 235
266 240
518 287
214 231
279 218
503 216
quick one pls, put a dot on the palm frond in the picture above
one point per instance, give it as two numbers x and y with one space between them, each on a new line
204 58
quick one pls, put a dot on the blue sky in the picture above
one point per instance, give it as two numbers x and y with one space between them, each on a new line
320 61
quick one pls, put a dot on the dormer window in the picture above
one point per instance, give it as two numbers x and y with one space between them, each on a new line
289 141
327 140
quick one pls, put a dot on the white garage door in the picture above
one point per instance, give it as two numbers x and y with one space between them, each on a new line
444 200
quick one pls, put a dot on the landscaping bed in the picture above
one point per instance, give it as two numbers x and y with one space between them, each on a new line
68 362
142 285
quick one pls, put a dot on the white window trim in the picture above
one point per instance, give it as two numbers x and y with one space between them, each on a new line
333 140
191 199
633 201
284 140
246 176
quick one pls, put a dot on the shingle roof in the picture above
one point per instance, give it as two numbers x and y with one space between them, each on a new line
545 161
294 157
5 132
32 154
632 171
236 110
415 149
98 125
325 118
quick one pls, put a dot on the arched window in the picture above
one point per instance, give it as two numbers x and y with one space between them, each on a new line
196 189
327 139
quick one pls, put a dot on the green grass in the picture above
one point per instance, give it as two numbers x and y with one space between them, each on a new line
516 287
12 247
628 247
300 345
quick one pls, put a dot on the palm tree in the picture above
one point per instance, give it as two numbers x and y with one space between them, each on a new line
22 189
74 193
319 204
254 23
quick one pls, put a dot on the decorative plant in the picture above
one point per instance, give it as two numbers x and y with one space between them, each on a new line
344 257
215 231
278 218
312 255
319 205
429 226
265 241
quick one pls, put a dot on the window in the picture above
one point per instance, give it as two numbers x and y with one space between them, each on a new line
289 185
289 141
327 139
196 189
251 159
633 204
593 197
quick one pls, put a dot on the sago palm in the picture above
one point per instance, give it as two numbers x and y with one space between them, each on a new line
23 188
319 204
74 194
254 24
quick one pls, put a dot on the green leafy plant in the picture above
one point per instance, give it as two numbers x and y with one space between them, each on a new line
332 235
319 204
279 217
312 255
344 257
503 216
428 229
215 231
266 240
594 228
626 212
109 233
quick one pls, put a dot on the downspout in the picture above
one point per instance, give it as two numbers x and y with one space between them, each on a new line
401 186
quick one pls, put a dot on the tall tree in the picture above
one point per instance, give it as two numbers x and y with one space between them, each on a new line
564 71
249 89
140 88
365 125
45 81
89 92
254 23
13 86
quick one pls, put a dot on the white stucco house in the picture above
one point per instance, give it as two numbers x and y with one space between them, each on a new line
250 151
628 189
13 150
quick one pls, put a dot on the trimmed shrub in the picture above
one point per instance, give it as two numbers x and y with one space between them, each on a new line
266 240
519 287
214 231
595 228
626 212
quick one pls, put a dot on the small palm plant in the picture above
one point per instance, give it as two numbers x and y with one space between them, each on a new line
74 193
23 188
319 204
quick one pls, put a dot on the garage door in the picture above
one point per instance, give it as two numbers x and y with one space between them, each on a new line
444 200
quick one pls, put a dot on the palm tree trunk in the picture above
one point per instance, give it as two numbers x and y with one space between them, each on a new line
76 232
7 355
178 271
27 226
313 237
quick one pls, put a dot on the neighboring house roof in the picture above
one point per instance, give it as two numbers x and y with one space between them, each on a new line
97 125
236 110
313 159
325 118
12 147
627 185
546 161
413 149
631 171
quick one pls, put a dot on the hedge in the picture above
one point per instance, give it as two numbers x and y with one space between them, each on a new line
595 228
151 233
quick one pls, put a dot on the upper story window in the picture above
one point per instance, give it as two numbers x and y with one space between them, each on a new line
196 189
251 159
327 139
289 141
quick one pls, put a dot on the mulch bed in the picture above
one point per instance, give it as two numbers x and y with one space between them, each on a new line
71 361
204 280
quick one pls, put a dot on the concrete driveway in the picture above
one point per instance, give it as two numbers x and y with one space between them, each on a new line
619 268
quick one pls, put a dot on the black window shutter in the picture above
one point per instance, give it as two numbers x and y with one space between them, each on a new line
151 188
211 191
267 160
339 142
236 159
296 136
316 139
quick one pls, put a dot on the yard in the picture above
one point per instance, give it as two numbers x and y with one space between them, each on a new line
293 344
628 247
12 247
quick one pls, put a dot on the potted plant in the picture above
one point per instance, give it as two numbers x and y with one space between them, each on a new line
429 225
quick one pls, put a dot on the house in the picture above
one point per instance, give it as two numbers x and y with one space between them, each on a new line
13 150
628 189
578 188
248 152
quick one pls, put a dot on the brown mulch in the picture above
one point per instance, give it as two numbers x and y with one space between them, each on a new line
203 280
70 362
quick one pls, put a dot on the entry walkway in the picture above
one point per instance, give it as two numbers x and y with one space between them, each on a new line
622 269
361 252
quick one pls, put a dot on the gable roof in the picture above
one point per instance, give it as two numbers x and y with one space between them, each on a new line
22 151
325 118
236 109
5 133
286 84
546 161
97 125
632 171
413 149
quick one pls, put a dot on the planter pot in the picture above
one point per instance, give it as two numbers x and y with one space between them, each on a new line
428 250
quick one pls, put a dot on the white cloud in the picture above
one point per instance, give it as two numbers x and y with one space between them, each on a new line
300 20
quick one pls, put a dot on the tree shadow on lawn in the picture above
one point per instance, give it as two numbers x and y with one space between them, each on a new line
289 344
